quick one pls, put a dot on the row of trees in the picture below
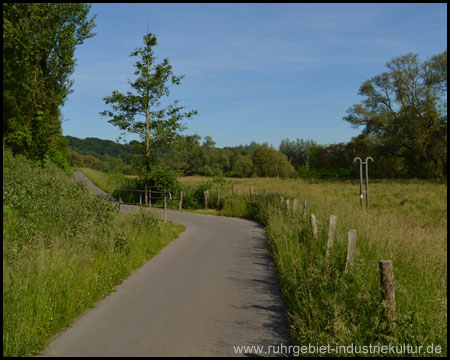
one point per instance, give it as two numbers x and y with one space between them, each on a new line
192 155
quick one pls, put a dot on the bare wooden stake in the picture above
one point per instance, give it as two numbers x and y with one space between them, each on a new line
205 197
294 206
304 209
387 286
313 225
331 233
181 199
287 204
351 249
251 190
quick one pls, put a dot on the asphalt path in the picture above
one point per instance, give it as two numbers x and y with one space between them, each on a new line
206 292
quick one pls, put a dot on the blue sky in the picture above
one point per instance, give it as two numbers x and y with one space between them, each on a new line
254 72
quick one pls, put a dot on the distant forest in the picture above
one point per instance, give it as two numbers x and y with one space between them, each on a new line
192 155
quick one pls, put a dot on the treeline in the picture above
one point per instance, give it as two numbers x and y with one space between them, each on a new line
192 155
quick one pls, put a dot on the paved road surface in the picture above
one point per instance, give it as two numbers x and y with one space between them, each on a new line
209 290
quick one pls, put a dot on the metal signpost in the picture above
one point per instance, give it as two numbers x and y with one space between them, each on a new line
361 191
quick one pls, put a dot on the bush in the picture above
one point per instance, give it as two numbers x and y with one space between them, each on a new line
162 177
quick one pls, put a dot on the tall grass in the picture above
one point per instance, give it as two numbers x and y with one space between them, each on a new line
108 182
63 250
407 224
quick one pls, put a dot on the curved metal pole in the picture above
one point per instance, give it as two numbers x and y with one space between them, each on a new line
360 181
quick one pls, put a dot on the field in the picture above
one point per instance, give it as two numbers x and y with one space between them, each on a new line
407 224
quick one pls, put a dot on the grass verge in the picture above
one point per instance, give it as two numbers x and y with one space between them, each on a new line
63 250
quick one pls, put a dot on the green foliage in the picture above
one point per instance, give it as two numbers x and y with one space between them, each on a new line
161 124
298 151
404 111
63 250
193 197
39 44
326 305
105 150
38 194
270 162
307 173
242 166
160 176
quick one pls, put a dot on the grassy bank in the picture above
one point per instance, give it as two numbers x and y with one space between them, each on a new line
63 250
407 224
108 182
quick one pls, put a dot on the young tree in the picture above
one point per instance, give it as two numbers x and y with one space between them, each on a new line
160 125
270 162
39 40
405 112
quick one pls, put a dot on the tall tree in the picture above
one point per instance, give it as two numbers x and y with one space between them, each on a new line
297 151
405 112
161 125
39 40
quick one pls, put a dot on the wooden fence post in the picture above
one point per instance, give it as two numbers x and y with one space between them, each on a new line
294 206
387 286
304 209
331 232
282 201
351 249
287 205
205 197
251 190
181 199
313 225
